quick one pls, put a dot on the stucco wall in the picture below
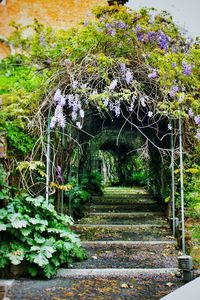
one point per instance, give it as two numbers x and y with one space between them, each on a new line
57 13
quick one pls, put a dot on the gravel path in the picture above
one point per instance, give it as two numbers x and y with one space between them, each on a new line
139 287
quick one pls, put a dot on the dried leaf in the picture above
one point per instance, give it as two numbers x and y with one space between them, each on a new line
169 284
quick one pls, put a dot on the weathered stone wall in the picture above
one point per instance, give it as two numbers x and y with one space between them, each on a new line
57 13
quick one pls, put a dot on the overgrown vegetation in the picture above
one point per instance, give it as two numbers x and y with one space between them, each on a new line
34 235
137 67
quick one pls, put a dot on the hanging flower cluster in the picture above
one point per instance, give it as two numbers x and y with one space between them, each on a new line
159 37
58 118
196 119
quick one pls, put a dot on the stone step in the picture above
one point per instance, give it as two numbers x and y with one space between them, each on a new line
123 233
125 201
123 220
173 241
98 284
119 272
129 256
123 190
126 214
145 207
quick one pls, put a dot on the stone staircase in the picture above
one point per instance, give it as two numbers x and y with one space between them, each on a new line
125 230
131 254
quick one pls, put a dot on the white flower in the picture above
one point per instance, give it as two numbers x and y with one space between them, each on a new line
169 127
142 100
82 113
78 124
150 114
113 85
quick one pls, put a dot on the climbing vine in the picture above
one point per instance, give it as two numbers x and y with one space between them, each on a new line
136 67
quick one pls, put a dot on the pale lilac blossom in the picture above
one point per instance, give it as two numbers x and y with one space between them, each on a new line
113 85
187 69
153 74
62 101
198 134
191 113
129 77
123 67
105 101
197 120
74 84
57 96
74 115
53 122
174 89
117 110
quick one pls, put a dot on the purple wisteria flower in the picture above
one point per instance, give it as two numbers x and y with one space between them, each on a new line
107 25
42 40
86 23
174 64
53 122
111 32
174 89
198 134
57 96
122 25
151 36
197 120
140 36
153 75
70 100
59 174
187 69
113 85
74 84
163 40
74 115
191 113
62 101
117 110
58 118
137 27
122 68
105 101
129 77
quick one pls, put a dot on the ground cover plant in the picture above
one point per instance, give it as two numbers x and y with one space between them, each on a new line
35 237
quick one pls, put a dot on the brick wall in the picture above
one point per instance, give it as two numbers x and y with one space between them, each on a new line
57 13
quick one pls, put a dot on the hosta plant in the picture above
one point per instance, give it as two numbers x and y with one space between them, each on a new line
34 234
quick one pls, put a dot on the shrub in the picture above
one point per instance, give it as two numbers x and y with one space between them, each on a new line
34 233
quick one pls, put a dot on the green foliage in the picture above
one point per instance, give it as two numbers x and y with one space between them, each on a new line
81 193
19 142
34 233
5 189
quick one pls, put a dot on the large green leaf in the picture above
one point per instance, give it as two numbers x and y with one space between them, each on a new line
16 257
17 221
